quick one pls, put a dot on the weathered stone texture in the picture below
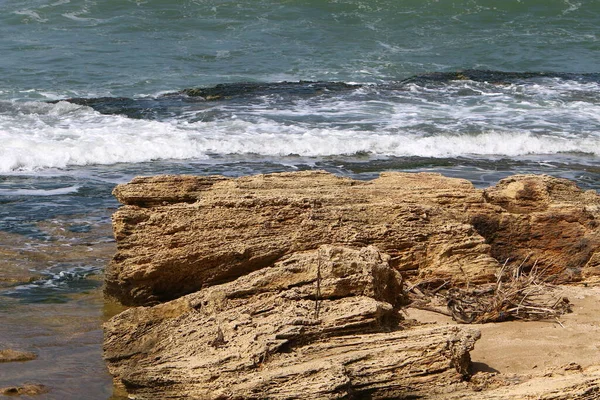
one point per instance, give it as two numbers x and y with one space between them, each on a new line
290 285
10 355
544 221
236 226
179 234
322 323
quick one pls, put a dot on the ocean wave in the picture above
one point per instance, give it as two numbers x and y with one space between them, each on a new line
93 138
451 117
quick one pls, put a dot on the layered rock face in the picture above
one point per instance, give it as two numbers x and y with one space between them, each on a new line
178 234
544 221
273 286
322 323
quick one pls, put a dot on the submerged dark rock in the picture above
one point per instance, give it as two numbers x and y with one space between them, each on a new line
496 77
174 103
301 88
143 108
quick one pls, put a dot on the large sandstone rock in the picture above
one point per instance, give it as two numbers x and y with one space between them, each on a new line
290 285
177 234
543 221
318 324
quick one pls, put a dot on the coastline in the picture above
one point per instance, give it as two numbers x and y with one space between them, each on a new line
166 214
96 93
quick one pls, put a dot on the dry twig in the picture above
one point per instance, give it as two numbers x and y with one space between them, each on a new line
516 295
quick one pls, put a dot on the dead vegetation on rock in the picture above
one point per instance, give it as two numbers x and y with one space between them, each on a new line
516 295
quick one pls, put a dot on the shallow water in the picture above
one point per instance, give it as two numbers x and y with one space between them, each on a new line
51 302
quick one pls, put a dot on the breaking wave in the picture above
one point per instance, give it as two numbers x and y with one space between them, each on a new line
468 114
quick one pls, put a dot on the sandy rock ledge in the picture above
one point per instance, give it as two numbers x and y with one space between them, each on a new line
26 389
10 355
290 285
322 323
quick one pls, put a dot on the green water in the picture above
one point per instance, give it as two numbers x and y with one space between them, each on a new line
92 48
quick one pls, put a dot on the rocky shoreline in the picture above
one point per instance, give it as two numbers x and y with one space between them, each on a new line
297 285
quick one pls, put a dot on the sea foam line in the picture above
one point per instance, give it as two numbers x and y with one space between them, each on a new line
40 192
62 135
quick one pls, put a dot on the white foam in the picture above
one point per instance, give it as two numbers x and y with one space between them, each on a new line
56 279
572 7
39 192
36 136
31 14
56 136
57 3
269 140
74 16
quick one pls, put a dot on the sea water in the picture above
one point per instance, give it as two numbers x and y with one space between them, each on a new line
93 93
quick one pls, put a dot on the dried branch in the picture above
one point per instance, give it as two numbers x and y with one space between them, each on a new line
516 295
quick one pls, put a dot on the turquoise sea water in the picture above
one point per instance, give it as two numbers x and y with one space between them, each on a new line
127 48
93 93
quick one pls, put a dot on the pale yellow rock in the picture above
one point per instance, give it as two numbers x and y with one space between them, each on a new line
10 355
27 389
181 233
544 222
231 227
289 285
318 324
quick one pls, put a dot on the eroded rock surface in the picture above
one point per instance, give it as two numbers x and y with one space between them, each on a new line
27 389
323 323
178 234
212 230
277 285
543 221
